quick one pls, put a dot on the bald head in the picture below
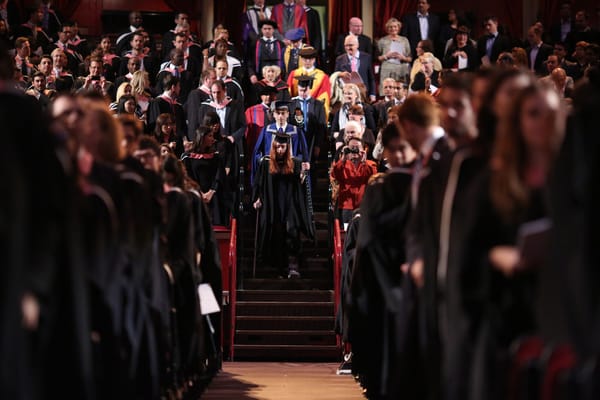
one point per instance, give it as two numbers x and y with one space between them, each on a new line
559 77
351 45
356 26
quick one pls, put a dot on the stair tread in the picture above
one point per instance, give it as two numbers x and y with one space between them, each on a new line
286 317
287 346
286 302
284 332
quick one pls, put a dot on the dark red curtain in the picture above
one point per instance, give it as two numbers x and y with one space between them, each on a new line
65 8
548 12
229 13
340 12
386 9
190 7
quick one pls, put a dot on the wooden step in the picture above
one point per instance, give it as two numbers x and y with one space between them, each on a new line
287 284
287 308
271 337
287 352
285 323
285 295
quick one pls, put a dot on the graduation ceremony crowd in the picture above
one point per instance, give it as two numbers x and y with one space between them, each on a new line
463 169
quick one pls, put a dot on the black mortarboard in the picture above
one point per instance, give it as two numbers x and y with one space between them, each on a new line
280 104
264 90
304 80
267 22
281 137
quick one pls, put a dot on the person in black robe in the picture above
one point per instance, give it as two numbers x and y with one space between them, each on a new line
446 288
279 197
380 318
206 165
181 258
44 325
167 102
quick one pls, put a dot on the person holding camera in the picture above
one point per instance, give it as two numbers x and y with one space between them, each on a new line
95 81
352 172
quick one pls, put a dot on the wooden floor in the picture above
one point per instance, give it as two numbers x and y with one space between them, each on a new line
281 381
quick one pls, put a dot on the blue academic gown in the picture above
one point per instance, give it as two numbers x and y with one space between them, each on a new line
263 144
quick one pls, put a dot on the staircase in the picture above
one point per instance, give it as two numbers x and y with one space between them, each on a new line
283 319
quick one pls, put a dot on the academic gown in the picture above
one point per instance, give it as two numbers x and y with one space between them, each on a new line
283 202
180 256
381 316
455 316
41 250
506 305
208 170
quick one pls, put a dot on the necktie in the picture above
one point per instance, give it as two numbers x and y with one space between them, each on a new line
289 10
353 64
24 67
270 46
261 14
305 111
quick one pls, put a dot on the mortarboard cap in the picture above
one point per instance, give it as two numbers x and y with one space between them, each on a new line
304 80
267 22
264 90
280 105
281 137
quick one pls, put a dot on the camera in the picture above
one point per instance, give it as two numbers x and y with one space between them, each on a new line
351 150
95 78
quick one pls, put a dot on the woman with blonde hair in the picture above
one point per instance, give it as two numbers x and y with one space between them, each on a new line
140 85
123 89
272 77
394 53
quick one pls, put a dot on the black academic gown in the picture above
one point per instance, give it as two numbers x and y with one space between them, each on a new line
381 317
41 255
286 206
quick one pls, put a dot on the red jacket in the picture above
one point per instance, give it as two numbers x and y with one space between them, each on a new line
352 179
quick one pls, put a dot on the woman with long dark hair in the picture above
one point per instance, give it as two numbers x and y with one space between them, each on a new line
508 202
279 195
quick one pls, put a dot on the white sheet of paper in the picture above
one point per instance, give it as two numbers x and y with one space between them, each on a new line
462 62
395 47
208 301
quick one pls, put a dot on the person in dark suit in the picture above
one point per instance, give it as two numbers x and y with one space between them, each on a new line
490 45
123 40
181 68
420 26
312 120
365 44
355 60
538 51
147 60
559 31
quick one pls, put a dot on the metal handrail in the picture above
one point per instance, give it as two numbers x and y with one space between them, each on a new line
232 283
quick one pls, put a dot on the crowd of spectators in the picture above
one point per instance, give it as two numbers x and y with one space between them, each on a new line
475 157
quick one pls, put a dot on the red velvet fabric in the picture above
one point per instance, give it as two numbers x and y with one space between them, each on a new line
387 9
340 12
